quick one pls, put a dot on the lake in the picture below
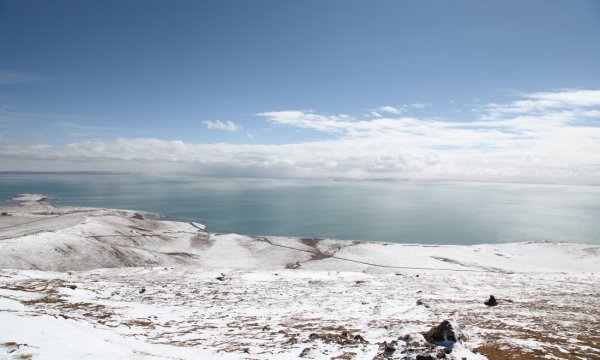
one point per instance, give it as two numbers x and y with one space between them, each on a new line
391 211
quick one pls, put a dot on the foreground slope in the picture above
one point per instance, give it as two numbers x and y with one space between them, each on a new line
131 287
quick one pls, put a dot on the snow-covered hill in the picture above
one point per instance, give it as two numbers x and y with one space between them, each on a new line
114 284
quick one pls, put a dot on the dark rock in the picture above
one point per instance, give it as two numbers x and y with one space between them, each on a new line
304 352
443 333
142 290
4 214
72 287
426 357
441 352
388 349
360 339
491 301
221 278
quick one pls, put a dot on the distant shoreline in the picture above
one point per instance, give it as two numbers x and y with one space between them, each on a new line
589 182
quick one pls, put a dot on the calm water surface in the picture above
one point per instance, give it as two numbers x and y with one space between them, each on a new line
404 212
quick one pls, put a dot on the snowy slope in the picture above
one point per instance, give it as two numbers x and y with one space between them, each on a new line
69 238
110 284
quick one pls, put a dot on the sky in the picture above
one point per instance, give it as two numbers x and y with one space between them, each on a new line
433 90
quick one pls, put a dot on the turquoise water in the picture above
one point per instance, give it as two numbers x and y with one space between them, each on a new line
403 212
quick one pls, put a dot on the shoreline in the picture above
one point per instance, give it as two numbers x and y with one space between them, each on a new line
98 238
41 199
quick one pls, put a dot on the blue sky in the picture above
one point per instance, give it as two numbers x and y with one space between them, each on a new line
263 87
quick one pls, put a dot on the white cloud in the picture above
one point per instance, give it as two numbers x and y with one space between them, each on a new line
418 105
389 109
554 144
222 125
307 120
545 101
397 110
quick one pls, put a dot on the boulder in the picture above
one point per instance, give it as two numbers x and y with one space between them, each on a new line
444 334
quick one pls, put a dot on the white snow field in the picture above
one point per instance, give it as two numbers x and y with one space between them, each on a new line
84 283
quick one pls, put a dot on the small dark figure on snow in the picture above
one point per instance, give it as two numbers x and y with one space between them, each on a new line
491 301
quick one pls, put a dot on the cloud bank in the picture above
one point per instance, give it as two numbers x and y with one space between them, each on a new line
541 137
